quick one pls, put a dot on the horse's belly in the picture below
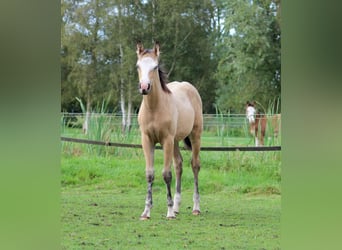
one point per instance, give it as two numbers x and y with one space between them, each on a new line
185 123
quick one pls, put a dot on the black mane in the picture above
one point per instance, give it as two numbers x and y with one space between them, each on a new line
163 79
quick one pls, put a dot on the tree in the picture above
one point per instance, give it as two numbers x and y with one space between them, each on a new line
83 39
230 51
249 68
122 27
185 31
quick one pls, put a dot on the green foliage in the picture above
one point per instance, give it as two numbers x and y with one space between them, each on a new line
249 66
98 49
98 46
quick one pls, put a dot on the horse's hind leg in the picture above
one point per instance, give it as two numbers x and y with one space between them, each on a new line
195 164
178 165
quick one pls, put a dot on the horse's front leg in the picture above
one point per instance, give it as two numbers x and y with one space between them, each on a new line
167 174
148 148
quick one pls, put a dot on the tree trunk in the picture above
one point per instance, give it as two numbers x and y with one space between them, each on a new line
122 92
175 45
87 116
129 112
122 105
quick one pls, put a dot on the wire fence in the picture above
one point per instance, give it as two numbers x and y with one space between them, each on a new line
221 132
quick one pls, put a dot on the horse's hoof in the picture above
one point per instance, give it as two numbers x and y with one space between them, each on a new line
171 217
144 218
196 212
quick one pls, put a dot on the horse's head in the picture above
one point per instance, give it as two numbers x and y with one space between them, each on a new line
250 112
148 61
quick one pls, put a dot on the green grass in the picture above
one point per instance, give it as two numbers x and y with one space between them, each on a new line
109 219
103 196
255 171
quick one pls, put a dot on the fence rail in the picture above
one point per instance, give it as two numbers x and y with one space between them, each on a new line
126 145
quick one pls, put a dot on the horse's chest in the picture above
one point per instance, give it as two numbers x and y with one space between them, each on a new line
156 128
155 125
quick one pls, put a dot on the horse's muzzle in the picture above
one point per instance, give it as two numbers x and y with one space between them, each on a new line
144 88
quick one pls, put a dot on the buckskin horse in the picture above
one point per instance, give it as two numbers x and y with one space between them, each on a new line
169 113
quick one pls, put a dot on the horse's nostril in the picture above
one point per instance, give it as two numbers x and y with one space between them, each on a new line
145 86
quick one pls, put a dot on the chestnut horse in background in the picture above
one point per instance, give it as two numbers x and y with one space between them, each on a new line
259 122
168 114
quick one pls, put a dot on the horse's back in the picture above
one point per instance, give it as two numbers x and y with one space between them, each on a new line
186 94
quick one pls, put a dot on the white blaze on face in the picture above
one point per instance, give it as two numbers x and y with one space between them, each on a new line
145 65
250 114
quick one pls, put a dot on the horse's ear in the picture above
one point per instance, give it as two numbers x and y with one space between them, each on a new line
156 48
140 47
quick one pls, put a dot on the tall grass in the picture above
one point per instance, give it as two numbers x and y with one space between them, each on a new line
221 125
219 130
102 126
273 113
99 125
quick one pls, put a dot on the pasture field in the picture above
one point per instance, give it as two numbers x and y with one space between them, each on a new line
103 195
97 218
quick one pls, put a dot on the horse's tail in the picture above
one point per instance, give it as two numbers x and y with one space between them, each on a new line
187 143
